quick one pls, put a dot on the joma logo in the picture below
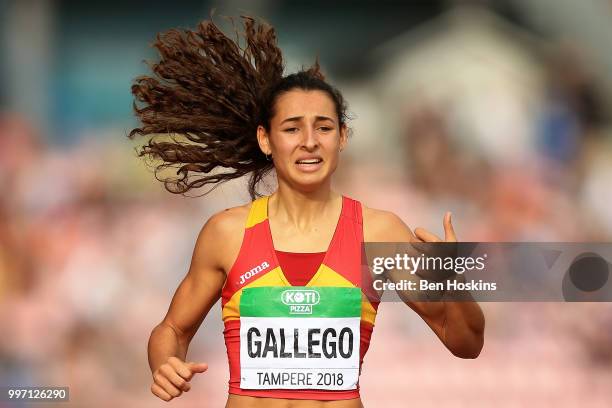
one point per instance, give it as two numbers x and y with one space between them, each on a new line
248 274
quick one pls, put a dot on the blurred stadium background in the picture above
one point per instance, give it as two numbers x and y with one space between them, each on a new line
496 110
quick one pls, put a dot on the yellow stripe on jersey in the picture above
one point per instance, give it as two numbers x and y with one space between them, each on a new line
258 212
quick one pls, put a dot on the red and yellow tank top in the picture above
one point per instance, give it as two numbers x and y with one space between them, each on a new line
300 342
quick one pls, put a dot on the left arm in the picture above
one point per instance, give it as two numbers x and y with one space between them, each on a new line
458 324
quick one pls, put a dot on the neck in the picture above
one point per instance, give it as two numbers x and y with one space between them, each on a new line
302 209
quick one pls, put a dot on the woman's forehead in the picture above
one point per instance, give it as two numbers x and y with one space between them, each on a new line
300 102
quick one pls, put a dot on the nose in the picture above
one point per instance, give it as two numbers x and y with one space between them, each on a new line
310 138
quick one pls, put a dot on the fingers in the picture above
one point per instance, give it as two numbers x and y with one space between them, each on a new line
171 375
158 391
425 235
166 385
449 232
172 378
181 368
197 367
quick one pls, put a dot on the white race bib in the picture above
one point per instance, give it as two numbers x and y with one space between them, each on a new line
300 338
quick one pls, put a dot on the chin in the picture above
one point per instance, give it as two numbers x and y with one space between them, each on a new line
309 183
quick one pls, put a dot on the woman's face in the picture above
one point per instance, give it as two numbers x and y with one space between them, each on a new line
305 138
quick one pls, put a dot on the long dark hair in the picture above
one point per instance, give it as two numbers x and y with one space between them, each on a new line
208 94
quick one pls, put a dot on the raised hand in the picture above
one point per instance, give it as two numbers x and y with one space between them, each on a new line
442 249
449 233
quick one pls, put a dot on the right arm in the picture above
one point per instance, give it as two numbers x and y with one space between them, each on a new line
215 248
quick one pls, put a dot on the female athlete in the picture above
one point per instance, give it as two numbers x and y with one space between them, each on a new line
286 266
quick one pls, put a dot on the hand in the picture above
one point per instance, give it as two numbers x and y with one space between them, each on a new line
172 378
442 249
449 233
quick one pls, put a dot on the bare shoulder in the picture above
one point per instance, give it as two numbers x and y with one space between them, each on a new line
384 226
227 222
221 236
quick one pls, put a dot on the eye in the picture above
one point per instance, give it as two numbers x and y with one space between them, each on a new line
325 128
291 130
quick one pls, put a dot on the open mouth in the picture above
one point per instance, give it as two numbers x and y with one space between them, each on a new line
310 164
309 161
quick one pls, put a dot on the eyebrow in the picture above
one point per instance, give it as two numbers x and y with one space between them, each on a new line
296 118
